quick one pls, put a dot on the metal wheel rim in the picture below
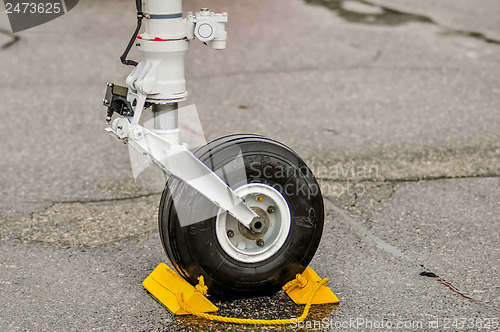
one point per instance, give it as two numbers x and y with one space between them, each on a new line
248 250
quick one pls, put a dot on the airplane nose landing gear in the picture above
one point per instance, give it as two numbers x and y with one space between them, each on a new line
241 215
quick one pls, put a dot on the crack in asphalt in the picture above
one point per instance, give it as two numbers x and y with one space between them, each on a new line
413 179
51 204
393 191
15 38
468 33
391 16
378 15
101 200
97 200
392 250
442 177
381 182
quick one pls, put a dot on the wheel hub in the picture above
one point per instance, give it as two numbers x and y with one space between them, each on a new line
258 227
268 231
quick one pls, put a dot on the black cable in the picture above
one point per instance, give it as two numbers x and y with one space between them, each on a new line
140 16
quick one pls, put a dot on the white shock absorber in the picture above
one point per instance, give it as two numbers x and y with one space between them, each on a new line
159 80
164 44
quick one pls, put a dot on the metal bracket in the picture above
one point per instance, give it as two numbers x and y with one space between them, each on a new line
115 100
176 160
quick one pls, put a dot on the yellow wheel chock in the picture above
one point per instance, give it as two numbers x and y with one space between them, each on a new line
300 289
181 298
164 284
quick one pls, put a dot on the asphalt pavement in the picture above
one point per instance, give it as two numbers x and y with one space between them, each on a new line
395 109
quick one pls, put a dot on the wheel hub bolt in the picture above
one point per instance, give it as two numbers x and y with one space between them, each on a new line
260 242
230 233
271 209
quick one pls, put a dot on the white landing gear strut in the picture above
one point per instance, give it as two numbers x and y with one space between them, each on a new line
158 81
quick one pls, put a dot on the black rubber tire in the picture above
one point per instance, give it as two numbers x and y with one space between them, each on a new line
194 250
